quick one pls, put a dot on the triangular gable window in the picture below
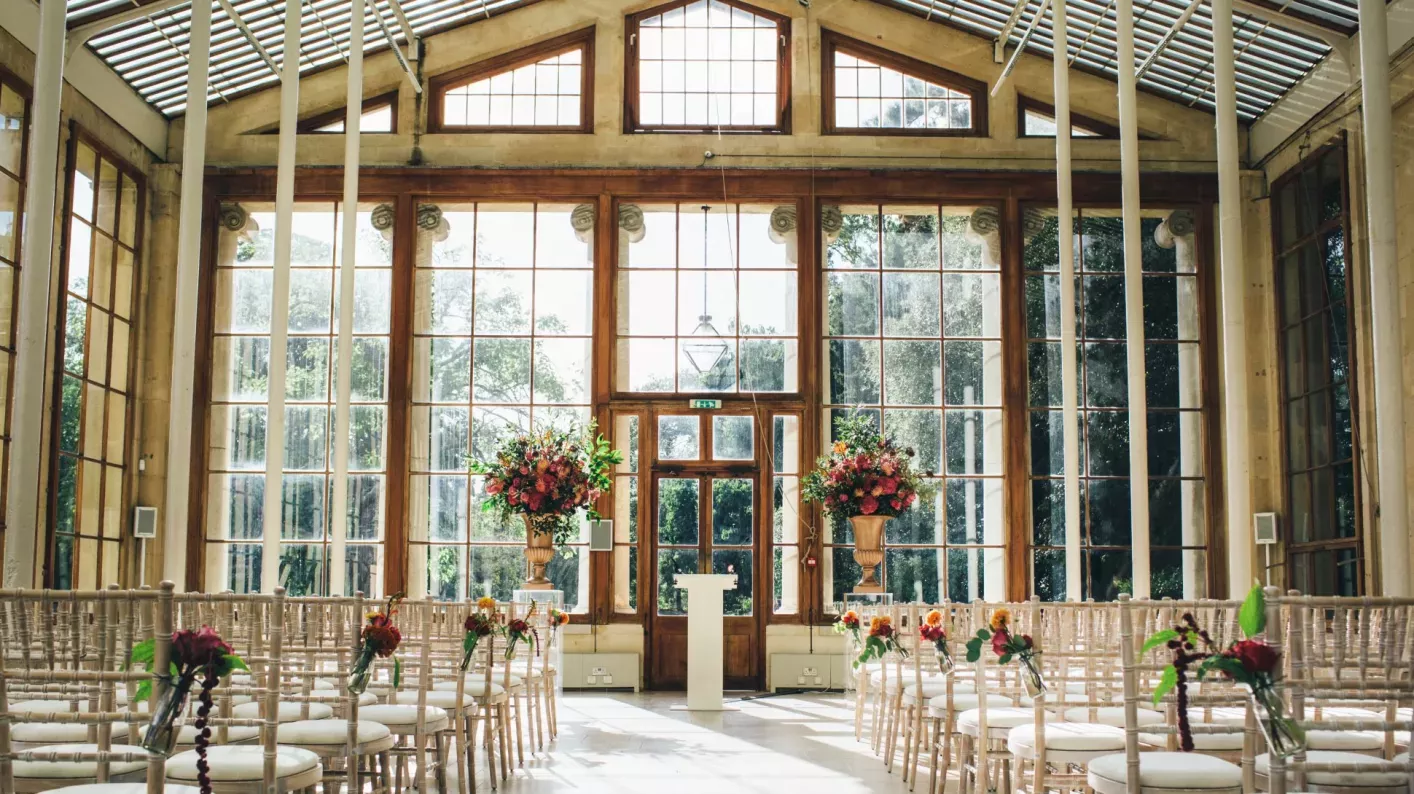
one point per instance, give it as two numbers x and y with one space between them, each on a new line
872 91
1038 120
547 87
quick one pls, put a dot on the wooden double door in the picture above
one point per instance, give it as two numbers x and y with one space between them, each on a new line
706 516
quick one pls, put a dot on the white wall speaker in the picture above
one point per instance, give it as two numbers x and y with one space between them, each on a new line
601 535
145 522
1264 528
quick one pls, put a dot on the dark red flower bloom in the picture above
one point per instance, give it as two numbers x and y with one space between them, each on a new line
198 648
1255 656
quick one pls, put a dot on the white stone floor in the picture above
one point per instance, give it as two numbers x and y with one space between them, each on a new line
636 743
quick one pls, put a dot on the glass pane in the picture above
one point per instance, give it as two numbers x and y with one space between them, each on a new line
445 565
679 437
671 599
303 569
678 511
736 601
732 437
733 513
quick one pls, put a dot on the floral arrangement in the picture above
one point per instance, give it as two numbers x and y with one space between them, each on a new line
848 623
932 630
558 618
519 630
865 474
478 625
193 653
380 638
1251 662
1008 646
549 476
882 639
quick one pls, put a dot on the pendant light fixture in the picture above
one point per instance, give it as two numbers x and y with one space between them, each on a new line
707 347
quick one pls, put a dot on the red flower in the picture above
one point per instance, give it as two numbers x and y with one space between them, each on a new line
999 641
868 505
930 633
1255 656
198 648
494 486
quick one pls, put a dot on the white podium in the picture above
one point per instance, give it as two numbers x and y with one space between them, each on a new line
704 637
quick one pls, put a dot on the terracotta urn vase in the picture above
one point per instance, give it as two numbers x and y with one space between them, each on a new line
869 550
539 549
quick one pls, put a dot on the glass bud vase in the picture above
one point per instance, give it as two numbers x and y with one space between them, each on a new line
167 718
1284 737
1031 676
362 672
945 662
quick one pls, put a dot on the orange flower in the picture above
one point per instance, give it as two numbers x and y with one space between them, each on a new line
933 618
486 602
1001 619
840 448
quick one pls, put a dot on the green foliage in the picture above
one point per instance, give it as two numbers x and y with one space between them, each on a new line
974 645
1157 639
1252 617
1168 679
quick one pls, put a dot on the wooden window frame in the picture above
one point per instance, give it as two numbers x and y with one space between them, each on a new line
832 43
1103 131
12 82
783 74
311 125
577 40
77 135
1358 542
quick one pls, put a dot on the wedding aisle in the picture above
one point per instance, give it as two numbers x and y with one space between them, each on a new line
636 744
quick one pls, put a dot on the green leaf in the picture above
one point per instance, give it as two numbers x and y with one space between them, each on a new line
1157 640
397 672
983 634
236 662
143 691
144 651
1252 617
974 649
1006 657
469 642
1167 681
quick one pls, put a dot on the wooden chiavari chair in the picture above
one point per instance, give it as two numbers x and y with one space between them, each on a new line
420 726
234 768
79 675
1354 655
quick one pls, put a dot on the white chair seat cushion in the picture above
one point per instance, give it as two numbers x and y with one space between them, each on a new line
474 686
310 733
122 789
938 704
43 706
403 719
998 719
1371 779
1348 741
1066 737
1111 715
35 733
1202 742
442 700
60 770
1168 772
287 712
234 734
239 763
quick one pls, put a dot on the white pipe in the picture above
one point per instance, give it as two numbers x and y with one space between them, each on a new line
393 45
280 303
1385 294
353 113
1020 47
1133 300
409 34
81 35
1065 232
174 540
1231 270
37 255
969 490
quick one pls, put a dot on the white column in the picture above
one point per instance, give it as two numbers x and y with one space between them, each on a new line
423 505
280 302
969 492
1237 482
1176 232
984 227
353 112
174 540
22 533
1065 234
1133 300
1384 300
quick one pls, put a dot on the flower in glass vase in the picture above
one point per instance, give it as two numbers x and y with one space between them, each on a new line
477 625
848 623
882 639
379 638
1009 646
519 630
933 631
546 478
193 654
867 478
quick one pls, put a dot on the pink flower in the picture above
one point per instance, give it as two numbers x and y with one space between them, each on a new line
869 505
889 485
495 486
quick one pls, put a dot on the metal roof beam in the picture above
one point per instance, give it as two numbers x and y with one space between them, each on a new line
80 35
393 45
1021 47
1337 41
249 37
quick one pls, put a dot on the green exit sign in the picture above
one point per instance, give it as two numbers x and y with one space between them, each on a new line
710 405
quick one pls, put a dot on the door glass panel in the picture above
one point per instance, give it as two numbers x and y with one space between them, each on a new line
732 438
671 562
677 512
731 512
679 437
735 561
